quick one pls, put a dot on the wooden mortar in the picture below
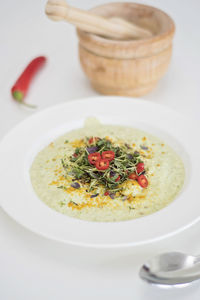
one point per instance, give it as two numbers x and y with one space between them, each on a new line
130 67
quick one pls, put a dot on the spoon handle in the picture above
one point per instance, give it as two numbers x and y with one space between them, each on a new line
117 28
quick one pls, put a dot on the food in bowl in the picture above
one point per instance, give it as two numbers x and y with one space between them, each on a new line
107 173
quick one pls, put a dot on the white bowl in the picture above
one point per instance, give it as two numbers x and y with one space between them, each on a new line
19 147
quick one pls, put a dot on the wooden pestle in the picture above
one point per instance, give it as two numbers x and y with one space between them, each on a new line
114 28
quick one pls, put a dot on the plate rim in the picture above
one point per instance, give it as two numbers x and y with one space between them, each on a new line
120 245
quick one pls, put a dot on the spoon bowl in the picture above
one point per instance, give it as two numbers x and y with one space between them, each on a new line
171 269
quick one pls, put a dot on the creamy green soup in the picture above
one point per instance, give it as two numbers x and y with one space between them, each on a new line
115 193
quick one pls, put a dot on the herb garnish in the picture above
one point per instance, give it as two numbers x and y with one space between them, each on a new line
123 163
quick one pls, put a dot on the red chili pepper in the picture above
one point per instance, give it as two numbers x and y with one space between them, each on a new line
94 157
20 88
102 164
117 179
142 180
140 168
93 140
133 176
109 155
106 193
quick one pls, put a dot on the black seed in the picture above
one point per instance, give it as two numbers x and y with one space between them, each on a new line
129 156
128 146
75 185
112 173
112 195
136 153
144 147
95 195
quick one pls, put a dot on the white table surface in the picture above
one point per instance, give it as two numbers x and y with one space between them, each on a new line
32 267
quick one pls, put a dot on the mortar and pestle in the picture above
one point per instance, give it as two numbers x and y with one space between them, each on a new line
124 48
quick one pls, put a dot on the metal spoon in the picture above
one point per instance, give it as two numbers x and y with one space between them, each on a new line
171 269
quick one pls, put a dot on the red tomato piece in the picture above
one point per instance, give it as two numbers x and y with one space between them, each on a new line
94 157
117 179
142 180
109 155
133 176
102 164
140 167
106 193
93 140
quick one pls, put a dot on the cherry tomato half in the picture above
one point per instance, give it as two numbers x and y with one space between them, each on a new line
93 140
109 155
94 157
102 164
142 180
140 167
133 176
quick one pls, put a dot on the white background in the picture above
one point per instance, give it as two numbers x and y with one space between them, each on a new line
32 267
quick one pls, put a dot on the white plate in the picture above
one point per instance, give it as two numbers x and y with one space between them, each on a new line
19 147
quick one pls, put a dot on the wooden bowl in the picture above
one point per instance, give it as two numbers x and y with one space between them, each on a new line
130 67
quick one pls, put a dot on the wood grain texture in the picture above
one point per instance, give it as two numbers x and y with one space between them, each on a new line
131 67
117 28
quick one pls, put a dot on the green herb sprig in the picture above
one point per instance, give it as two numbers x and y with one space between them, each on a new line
78 167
